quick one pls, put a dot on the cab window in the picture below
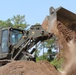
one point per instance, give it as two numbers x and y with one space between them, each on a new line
15 36
5 40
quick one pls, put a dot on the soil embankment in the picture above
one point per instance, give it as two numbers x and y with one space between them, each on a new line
28 68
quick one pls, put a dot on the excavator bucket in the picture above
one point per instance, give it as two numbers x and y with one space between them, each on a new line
60 14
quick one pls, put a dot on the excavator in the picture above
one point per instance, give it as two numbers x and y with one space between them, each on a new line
16 43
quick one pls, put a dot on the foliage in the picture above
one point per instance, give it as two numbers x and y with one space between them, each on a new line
37 24
37 53
57 62
46 56
16 22
48 45
19 21
50 54
6 23
42 57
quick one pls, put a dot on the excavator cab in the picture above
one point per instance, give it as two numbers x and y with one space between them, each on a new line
16 35
8 38
16 43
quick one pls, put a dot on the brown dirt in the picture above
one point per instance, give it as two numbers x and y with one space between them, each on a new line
67 43
28 68
65 34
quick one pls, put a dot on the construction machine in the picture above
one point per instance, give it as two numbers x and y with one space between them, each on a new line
16 43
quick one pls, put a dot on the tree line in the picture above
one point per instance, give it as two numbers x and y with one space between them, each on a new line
17 21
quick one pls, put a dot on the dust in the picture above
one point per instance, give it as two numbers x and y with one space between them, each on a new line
67 40
70 68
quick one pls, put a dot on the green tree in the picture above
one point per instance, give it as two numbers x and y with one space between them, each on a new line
37 24
47 45
57 62
8 23
16 22
3 24
50 45
19 21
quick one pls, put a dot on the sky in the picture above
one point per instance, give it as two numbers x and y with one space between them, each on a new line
34 10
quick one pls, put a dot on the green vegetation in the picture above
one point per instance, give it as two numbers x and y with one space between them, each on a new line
54 61
57 62
50 55
16 22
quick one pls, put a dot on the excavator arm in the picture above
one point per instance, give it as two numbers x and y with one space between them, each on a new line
34 35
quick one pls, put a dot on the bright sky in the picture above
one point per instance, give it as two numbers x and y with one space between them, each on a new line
34 10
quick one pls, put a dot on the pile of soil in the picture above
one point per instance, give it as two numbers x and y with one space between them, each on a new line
28 68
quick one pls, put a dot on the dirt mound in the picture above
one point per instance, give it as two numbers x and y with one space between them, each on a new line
28 68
